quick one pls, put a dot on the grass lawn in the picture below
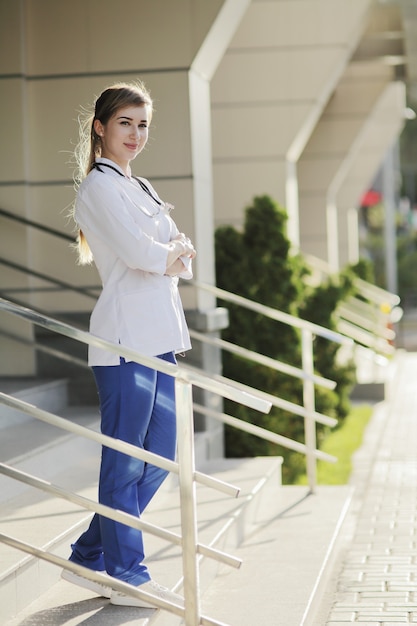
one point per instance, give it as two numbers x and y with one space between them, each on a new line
342 443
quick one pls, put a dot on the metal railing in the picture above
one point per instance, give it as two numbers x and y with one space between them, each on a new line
353 328
305 373
53 283
239 424
32 224
369 326
367 319
185 377
184 380
59 284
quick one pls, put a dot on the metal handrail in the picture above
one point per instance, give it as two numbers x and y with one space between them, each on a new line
237 423
37 225
263 433
274 314
261 359
285 405
46 349
55 281
223 388
184 378
230 389
308 331
374 300
363 315
59 284
308 376
117 515
375 293
368 339
104 579
366 289
190 545
110 442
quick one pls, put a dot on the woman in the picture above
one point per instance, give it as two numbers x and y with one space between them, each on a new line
127 230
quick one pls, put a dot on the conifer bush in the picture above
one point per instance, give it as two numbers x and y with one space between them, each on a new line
257 264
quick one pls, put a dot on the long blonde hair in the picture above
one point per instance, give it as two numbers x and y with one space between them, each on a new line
88 148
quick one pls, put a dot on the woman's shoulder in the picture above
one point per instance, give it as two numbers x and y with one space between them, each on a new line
95 183
85 183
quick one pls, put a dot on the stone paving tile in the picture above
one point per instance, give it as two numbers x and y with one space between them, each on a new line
342 616
377 581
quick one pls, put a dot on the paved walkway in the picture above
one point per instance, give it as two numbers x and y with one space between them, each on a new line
376 580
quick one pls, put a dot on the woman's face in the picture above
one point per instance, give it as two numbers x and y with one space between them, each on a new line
124 135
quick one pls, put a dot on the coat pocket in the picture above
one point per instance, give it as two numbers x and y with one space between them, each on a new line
145 318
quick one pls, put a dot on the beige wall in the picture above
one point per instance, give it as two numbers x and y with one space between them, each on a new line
58 56
13 191
65 61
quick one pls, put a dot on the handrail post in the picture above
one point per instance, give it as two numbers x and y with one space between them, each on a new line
309 405
185 435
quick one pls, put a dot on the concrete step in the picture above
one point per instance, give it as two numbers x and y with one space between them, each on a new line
288 559
32 516
215 511
285 538
50 395
43 450
228 520
72 462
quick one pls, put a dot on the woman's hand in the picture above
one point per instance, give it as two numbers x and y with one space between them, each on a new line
180 246
189 249
177 267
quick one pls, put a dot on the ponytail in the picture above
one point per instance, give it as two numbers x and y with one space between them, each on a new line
85 256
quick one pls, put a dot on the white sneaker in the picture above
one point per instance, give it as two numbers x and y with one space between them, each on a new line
151 587
98 588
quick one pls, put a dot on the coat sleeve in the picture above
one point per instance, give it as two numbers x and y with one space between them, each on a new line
100 210
187 272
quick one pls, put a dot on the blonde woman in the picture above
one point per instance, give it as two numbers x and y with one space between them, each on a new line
127 230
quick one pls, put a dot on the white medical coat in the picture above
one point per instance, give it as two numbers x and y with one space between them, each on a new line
139 306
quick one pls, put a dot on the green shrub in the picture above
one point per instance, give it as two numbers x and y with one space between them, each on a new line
257 264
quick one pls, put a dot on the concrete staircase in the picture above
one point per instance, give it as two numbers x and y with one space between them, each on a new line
27 514
285 537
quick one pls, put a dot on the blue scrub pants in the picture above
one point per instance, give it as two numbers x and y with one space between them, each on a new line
137 405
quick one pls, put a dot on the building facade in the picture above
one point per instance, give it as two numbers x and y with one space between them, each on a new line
298 99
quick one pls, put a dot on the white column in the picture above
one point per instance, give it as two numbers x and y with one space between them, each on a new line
332 237
291 198
353 235
389 222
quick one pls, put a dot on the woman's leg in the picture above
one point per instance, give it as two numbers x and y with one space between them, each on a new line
88 549
161 437
137 406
